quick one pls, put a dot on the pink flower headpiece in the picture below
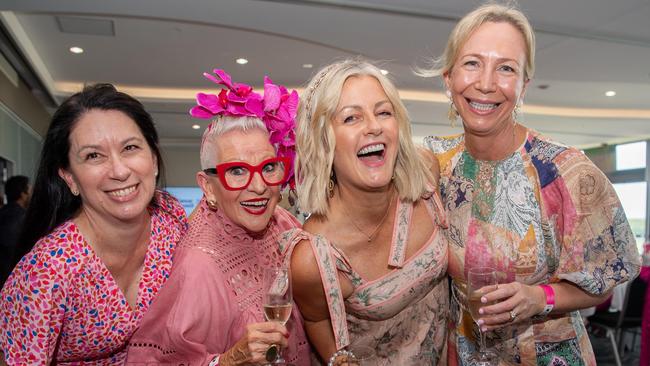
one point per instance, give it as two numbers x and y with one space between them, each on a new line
277 109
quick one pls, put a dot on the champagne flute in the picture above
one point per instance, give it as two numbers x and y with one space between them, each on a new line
277 299
481 280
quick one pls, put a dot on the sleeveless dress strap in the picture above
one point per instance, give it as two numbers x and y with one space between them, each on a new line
403 213
328 262
436 209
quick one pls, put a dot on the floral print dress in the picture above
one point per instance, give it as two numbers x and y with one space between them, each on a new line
544 214
62 306
401 315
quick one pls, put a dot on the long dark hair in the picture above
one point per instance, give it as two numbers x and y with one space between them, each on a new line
52 202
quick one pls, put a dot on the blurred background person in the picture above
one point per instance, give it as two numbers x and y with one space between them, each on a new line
538 212
18 191
102 236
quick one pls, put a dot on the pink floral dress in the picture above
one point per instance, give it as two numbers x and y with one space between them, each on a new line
401 315
62 306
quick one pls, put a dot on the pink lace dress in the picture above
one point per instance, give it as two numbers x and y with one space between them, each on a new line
62 306
214 291
401 315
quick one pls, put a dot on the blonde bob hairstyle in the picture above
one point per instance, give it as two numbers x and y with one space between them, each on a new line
220 126
315 139
494 13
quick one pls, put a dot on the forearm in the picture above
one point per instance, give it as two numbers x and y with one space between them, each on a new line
569 297
321 337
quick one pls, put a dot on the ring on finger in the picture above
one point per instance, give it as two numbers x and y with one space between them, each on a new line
513 315
271 353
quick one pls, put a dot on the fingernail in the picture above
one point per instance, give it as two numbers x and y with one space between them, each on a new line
480 322
286 335
483 299
480 311
484 329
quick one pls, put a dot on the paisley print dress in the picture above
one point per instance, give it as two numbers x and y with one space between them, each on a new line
544 214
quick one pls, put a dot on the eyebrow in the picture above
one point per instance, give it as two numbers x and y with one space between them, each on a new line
124 142
500 59
356 106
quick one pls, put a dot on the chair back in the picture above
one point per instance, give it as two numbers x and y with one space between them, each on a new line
633 304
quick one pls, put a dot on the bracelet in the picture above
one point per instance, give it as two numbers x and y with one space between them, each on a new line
550 299
215 361
341 352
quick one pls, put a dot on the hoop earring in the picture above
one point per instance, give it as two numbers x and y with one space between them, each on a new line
452 114
281 198
330 185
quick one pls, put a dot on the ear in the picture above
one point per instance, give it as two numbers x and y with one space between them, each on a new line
155 165
68 179
203 180
523 89
447 78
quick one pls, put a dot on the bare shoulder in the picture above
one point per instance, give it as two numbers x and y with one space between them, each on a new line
308 289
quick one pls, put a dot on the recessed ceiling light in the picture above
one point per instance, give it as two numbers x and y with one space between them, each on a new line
307 66
384 72
241 61
610 93
196 127
76 49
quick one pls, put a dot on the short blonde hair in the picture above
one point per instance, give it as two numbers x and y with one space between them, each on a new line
315 141
218 127
492 12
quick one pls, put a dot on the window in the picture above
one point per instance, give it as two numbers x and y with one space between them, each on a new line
633 199
631 156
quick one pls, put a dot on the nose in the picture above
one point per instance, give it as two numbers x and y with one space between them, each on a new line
257 184
119 170
486 82
373 126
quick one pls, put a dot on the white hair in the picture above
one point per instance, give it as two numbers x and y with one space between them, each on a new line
218 127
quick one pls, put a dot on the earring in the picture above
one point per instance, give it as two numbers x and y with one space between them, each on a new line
281 198
452 114
74 191
516 113
330 186
292 197
212 204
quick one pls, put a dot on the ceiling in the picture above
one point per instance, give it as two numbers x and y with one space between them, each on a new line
157 50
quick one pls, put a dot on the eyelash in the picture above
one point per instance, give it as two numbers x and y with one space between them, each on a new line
92 155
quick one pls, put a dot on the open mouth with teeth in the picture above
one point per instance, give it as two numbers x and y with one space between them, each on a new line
482 107
124 192
255 206
372 153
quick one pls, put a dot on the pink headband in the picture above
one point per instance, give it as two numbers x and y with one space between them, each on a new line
277 109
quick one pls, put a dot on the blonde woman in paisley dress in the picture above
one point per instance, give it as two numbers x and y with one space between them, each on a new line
539 212
364 272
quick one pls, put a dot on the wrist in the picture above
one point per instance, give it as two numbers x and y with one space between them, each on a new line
548 299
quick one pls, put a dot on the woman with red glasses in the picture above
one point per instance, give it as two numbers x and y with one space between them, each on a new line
210 311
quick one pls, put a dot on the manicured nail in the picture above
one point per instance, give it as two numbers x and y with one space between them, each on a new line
483 299
286 335
480 311
480 322
484 329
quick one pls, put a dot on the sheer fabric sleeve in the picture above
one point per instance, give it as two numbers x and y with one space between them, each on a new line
597 247
32 307
189 322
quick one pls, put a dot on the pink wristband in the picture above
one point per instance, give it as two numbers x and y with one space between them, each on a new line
550 299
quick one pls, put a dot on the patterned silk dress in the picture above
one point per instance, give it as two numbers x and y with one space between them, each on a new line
544 214
401 315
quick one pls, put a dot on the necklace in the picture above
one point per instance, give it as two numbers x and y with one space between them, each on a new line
381 222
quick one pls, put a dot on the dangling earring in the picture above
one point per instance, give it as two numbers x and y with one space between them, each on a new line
281 198
516 113
292 197
330 185
212 204
452 115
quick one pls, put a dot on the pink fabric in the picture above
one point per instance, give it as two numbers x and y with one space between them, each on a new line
213 293
644 359
62 306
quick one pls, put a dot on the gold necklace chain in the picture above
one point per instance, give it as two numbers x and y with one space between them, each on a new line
381 222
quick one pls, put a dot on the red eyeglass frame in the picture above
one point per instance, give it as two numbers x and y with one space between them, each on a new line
220 169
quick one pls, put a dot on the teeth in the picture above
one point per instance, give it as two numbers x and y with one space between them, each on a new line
122 192
482 106
371 149
255 203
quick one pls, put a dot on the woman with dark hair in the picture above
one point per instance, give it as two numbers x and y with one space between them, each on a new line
102 236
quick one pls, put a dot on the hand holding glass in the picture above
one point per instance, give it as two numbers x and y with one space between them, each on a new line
481 280
277 298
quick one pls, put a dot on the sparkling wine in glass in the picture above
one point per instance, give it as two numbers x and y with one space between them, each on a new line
480 281
277 298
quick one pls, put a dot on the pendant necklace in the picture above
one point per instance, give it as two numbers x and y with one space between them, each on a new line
376 230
